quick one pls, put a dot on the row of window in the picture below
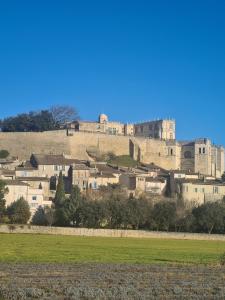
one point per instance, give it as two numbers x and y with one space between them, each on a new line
202 190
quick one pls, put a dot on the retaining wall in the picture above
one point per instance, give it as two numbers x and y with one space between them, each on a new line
108 232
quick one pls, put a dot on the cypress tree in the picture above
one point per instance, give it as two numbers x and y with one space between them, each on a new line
60 193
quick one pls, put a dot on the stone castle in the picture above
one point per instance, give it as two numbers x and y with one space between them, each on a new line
148 142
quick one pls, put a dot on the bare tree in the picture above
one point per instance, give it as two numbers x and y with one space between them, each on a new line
63 114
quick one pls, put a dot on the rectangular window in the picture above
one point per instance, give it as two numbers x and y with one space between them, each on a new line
56 168
203 150
34 198
200 150
216 190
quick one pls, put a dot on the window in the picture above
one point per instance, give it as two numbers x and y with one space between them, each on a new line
34 198
203 150
55 168
200 150
215 190
171 151
187 154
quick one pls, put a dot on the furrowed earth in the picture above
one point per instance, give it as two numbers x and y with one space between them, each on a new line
68 267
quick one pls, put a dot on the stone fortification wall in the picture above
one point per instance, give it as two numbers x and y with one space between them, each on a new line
80 141
108 232
23 144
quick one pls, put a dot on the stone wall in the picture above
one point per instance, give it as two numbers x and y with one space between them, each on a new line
108 233
23 144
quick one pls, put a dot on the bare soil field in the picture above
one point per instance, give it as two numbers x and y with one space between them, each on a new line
110 281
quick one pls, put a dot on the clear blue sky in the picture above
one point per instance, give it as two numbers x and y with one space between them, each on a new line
134 60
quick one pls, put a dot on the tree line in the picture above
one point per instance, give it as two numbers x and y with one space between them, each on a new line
37 121
116 211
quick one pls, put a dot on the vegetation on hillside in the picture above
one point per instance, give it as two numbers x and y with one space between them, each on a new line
43 120
122 161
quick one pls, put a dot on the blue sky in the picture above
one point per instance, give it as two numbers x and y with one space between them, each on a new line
133 60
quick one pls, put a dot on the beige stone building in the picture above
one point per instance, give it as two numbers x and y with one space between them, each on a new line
34 196
198 192
160 129
137 184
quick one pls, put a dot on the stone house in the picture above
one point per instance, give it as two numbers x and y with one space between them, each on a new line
34 196
197 192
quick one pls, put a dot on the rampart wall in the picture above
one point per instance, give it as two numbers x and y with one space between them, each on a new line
23 144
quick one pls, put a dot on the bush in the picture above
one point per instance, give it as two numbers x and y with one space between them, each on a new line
19 212
4 154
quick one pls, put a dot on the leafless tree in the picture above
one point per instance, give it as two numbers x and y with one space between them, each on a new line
64 113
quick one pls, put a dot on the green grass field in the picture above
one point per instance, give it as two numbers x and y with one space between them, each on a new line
66 249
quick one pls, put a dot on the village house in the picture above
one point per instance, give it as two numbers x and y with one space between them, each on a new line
143 183
197 192
34 196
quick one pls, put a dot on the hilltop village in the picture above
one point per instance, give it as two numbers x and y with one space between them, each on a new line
143 159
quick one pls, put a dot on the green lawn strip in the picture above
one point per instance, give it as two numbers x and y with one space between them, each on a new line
66 249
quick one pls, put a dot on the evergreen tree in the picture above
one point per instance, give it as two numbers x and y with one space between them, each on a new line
3 191
60 193
60 202
19 212
73 207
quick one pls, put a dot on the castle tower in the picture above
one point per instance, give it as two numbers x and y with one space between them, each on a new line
102 119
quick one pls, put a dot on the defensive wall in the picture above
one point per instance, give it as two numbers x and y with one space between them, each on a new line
116 233
76 144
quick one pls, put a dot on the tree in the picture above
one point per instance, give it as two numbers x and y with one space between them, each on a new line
19 212
39 217
209 217
3 191
32 121
49 215
73 207
59 202
63 113
223 177
60 192
164 215
4 153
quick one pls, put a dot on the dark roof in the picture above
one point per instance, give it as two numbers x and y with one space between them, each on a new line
80 167
50 159
7 172
33 179
202 182
26 166
107 169
15 182
183 172
102 175
156 179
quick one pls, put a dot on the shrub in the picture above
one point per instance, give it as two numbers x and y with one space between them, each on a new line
4 153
